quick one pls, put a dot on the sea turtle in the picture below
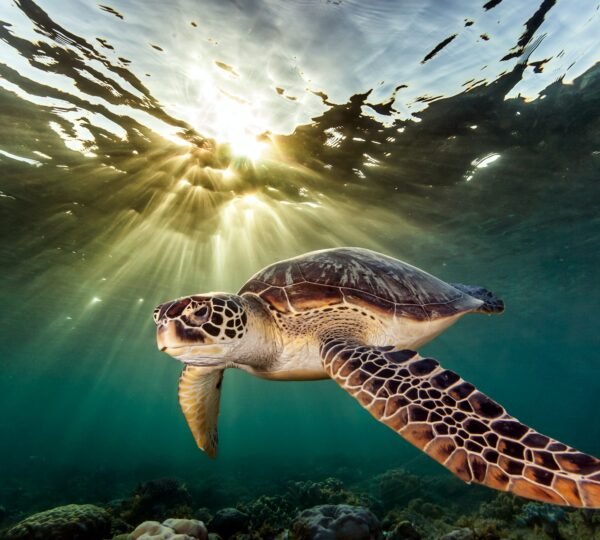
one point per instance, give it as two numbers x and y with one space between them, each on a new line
357 316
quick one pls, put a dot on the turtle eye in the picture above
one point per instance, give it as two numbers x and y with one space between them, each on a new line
201 314
177 308
156 315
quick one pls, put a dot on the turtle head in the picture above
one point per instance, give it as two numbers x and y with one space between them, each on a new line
206 329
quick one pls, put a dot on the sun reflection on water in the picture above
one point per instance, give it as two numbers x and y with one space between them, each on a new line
229 119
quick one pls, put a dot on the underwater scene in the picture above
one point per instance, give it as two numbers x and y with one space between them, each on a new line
156 156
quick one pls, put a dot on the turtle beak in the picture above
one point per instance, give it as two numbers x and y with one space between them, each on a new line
178 342
169 335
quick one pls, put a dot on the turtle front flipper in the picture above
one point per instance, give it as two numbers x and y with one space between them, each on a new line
199 396
463 429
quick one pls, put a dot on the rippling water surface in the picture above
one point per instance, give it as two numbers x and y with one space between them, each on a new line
154 149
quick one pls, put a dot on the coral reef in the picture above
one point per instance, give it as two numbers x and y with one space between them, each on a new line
512 518
504 507
73 522
385 505
459 534
228 522
269 515
152 529
330 491
171 529
534 513
581 524
191 527
157 500
203 514
331 522
404 530
396 487
426 519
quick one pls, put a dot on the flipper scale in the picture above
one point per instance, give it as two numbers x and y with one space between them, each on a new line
469 433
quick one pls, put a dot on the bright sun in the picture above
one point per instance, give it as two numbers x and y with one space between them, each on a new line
226 118
245 144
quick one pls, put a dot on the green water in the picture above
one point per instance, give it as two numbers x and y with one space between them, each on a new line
131 175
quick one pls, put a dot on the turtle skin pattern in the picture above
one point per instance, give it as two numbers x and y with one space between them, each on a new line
460 427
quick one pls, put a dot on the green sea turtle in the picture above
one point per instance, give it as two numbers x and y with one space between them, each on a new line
357 316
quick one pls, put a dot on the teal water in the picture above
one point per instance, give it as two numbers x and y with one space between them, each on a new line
154 150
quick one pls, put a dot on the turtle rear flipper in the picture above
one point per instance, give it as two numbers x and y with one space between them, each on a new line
458 426
491 303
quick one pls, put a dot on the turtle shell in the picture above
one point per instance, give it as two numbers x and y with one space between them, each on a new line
357 276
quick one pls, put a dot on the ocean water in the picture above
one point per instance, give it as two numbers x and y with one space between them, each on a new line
150 150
